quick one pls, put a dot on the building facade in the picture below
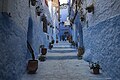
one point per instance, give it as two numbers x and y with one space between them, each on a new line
100 21
22 21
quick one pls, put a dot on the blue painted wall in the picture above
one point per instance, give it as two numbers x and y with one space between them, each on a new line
64 14
103 40
79 32
13 50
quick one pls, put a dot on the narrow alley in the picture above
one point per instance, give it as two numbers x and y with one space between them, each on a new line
59 39
62 64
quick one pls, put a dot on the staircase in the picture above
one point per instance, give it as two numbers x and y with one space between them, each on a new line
62 44
62 47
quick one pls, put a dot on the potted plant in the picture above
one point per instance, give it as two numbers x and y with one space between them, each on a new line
56 41
96 68
44 51
32 64
52 41
50 45
33 2
90 8
42 58
80 52
82 18
38 12
48 23
43 55
72 43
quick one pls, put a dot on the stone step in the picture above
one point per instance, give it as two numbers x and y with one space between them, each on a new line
100 79
62 45
62 50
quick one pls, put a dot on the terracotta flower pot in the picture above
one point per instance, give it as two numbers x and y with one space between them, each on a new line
44 51
32 66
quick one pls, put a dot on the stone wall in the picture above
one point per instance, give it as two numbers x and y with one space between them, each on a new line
18 23
12 50
13 37
102 36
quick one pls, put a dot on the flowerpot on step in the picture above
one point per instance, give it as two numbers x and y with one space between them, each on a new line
32 66
44 51
96 70
80 52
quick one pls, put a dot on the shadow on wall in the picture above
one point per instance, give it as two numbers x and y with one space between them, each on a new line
29 34
12 49
30 30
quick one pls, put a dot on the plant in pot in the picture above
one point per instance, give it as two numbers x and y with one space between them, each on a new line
32 64
43 55
96 68
56 41
50 46
82 18
52 41
44 51
33 2
38 11
90 8
80 52
72 43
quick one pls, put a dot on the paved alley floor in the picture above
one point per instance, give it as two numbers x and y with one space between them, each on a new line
63 66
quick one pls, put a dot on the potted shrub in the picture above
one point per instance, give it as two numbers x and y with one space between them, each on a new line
96 68
44 51
43 55
72 43
33 2
82 18
32 64
50 45
52 41
56 41
38 12
42 58
90 8
80 52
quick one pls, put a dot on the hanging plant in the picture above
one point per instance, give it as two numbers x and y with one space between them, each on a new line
33 2
38 12
90 8
48 23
